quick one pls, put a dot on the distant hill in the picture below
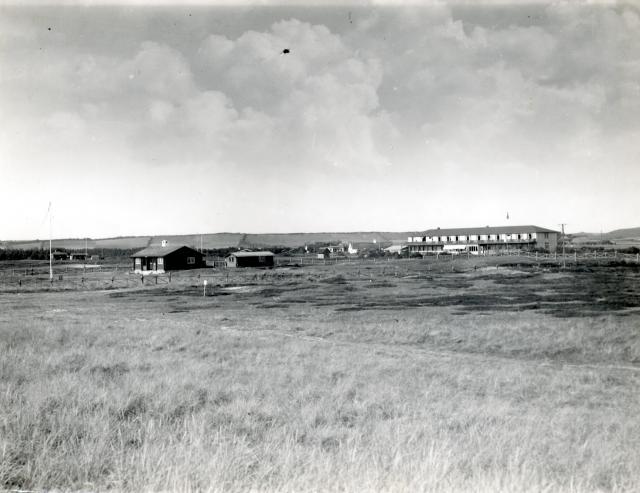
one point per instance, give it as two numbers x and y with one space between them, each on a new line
293 240
209 241
287 240
627 234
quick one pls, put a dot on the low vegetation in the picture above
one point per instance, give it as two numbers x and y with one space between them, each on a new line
388 376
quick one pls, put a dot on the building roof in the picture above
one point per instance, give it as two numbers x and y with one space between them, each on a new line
395 248
160 251
252 254
492 230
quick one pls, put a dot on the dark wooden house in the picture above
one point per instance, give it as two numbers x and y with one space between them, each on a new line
250 259
164 258
59 255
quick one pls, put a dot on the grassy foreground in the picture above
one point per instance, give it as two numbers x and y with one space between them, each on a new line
341 378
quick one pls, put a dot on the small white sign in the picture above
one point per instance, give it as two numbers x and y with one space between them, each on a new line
205 282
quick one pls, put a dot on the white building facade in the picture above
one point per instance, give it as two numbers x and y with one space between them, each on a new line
487 240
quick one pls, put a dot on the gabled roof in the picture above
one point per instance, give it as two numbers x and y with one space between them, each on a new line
487 230
159 251
252 254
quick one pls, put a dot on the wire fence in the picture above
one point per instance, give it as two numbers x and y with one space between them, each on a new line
35 277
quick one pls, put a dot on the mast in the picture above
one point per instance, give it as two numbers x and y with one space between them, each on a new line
50 252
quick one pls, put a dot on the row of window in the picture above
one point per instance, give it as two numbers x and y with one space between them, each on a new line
495 237
160 261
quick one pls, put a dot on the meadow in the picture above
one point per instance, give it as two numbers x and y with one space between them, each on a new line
473 375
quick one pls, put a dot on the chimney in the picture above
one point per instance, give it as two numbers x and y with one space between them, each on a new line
164 243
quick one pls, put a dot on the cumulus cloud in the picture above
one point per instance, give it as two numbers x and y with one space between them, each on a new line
534 92
236 102
318 102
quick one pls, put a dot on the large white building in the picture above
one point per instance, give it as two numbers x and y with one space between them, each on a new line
483 240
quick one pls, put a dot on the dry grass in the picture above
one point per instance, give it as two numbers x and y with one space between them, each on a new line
274 387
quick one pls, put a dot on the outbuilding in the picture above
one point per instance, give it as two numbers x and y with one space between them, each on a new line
160 259
250 259
57 255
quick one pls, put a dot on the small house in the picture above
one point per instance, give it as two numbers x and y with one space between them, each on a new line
57 255
160 259
336 248
250 259
78 256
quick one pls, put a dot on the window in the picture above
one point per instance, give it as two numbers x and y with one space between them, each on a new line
160 260
261 259
546 235
191 260
138 261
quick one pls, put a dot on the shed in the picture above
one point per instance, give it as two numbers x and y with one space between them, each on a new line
57 255
165 258
250 259
78 256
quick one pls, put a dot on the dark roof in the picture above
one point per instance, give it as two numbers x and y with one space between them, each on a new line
160 251
486 230
252 254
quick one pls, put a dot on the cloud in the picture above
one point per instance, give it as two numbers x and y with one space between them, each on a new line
313 107
403 102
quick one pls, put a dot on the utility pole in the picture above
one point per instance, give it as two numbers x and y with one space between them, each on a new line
50 252
564 260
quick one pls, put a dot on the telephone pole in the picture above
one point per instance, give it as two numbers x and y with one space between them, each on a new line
564 260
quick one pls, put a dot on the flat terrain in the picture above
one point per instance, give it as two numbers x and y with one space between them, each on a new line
473 375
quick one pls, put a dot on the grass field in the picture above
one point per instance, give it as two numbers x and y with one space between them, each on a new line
400 376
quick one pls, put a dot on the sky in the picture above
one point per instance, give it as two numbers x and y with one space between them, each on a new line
147 118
